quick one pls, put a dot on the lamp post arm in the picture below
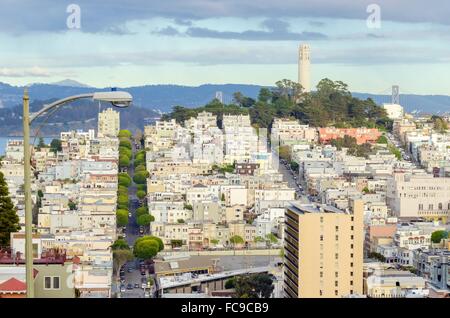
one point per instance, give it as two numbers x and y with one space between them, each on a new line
58 103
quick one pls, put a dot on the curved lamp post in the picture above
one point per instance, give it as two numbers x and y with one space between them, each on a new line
116 98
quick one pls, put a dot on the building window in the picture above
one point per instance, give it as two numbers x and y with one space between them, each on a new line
321 237
55 282
336 292
336 283
351 273
336 274
337 228
51 282
47 282
351 283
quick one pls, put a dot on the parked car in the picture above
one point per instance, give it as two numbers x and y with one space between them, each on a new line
147 294
122 288
136 285
130 286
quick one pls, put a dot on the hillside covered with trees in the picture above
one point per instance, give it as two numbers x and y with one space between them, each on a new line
330 105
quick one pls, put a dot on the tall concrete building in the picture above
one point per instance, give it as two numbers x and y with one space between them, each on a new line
304 66
108 123
323 251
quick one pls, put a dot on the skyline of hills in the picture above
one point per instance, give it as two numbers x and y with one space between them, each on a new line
164 97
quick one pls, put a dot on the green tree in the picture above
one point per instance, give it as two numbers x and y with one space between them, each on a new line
254 286
271 238
41 144
265 95
140 168
9 220
141 194
120 258
230 283
124 182
285 153
145 219
124 151
55 145
238 98
122 199
120 244
176 243
382 140
258 239
146 247
214 241
377 256
140 177
124 161
141 187
181 221
141 211
439 123
124 133
236 239
437 236
125 143
122 217
72 205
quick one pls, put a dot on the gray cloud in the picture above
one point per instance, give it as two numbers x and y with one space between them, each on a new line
277 30
97 16
170 31
381 54
183 22
317 24
255 35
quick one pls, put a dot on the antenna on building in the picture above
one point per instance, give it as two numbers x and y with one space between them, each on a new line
395 94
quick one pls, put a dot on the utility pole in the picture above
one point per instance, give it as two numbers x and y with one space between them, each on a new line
27 190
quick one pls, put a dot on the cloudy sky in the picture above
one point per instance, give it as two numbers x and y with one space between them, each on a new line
191 42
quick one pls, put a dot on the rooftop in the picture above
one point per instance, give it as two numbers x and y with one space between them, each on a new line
314 208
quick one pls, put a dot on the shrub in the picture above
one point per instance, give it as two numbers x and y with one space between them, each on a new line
122 217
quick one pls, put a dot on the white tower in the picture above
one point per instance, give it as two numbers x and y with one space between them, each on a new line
304 64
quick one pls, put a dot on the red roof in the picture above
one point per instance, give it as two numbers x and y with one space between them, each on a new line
13 284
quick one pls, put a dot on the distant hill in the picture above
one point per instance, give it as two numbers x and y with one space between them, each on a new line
164 97
70 83
82 114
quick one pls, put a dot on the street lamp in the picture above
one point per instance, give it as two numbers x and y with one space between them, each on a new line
116 98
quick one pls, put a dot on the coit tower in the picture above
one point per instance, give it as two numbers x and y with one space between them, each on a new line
304 65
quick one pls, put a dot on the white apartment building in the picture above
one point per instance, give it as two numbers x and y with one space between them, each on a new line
419 196
108 123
